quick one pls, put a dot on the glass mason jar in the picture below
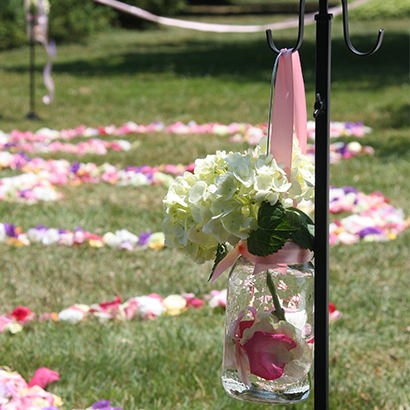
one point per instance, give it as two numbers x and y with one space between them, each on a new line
269 334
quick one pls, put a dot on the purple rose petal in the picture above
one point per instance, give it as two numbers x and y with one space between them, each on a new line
10 230
102 405
349 189
353 125
24 156
74 167
41 228
370 230
23 159
143 238
342 150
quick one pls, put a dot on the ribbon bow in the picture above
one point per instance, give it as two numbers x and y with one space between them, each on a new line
290 253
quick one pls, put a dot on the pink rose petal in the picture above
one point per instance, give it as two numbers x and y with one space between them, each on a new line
268 354
43 377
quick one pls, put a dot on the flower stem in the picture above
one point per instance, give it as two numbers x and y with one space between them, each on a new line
252 211
279 312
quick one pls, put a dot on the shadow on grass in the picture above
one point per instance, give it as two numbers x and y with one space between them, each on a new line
399 116
247 61
395 147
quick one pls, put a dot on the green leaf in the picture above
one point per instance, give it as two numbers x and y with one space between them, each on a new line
221 252
303 238
294 218
273 230
305 235
304 217
277 225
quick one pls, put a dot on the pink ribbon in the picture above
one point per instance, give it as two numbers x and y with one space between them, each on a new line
289 110
290 253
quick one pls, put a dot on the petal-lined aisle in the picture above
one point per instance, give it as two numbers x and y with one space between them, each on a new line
146 307
250 133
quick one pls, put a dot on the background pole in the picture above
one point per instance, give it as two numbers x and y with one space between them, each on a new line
32 114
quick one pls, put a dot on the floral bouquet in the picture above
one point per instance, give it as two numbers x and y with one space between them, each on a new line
240 210
232 197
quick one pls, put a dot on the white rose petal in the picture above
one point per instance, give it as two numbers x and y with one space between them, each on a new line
50 237
3 235
71 315
112 240
125 235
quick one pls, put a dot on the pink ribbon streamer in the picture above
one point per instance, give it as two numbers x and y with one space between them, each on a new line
50 50
47 79
289 110
40 33
290 253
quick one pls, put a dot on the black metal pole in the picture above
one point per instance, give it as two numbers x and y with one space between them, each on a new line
322 116
32 114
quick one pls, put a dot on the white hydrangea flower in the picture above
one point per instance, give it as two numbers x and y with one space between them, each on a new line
241 167
219 202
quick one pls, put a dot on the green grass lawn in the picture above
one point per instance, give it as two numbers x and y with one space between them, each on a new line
173 75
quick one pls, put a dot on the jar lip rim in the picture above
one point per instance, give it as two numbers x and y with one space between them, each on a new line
291 252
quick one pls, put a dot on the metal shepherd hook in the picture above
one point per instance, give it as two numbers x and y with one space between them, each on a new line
300 32
322 152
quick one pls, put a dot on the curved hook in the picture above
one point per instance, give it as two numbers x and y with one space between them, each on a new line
300 33
347 36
